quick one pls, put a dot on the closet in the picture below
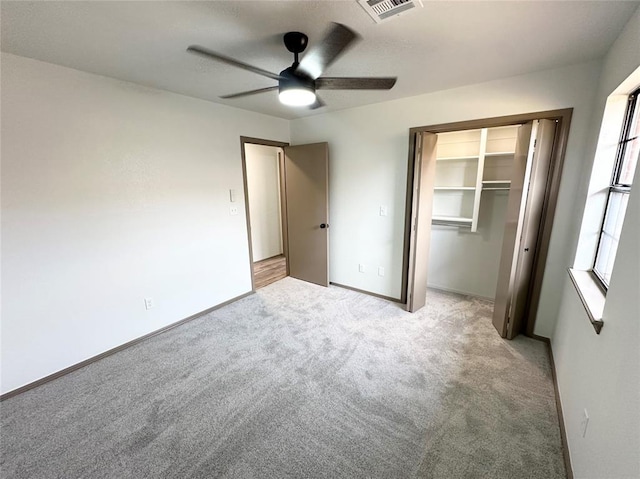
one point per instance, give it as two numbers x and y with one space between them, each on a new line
480 203
471 188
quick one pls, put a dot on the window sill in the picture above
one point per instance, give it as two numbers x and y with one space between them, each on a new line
591 295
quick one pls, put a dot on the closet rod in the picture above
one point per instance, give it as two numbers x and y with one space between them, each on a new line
495 189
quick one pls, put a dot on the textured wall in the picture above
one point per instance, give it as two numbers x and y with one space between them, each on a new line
112 192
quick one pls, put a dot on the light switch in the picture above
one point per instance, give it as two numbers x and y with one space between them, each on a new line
232 196
383 211
361 268
380 270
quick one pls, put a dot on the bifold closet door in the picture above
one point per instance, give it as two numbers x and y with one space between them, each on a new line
422 204
512 230
519 255
531 227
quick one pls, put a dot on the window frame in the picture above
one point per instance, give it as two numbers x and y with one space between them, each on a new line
632 109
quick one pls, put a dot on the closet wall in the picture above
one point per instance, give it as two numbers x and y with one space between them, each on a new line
469 209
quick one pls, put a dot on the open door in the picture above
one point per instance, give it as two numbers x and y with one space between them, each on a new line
424 177
529 241
529 183
306 171
513 228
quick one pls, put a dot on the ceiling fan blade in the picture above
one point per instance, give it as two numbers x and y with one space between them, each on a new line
205 52
335 42
345 83
318 104
250 92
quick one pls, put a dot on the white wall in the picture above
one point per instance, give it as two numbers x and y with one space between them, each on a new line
112 192
368 168
466 262
263 187
602 372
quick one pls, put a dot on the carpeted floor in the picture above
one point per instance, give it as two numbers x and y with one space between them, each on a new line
300 381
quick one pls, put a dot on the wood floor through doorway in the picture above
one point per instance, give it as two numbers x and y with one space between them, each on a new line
269 270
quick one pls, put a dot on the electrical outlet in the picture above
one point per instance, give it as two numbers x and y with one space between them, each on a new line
148 303
233 210
362 268
584 423
380 270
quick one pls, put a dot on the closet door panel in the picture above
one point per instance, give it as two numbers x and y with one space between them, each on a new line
528 245
512 230
424 174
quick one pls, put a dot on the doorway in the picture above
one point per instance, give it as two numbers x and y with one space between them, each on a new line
462 178
286 192
265 205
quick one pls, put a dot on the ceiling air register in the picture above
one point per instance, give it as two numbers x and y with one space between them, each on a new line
382 10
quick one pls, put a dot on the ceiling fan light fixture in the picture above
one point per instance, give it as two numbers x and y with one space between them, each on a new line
297 96
296 89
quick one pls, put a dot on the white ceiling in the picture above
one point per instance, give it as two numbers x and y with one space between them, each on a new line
443 45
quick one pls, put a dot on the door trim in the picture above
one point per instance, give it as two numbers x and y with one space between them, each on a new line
563 117
283 205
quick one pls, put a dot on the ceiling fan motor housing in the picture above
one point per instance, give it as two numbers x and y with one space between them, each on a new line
291 80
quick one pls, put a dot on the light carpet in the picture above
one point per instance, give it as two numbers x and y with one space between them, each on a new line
300 381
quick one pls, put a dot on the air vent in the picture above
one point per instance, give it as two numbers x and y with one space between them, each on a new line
383 10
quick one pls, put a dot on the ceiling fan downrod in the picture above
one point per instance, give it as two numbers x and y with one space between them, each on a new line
296 43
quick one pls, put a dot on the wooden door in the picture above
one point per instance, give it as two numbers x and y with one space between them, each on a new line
420 239
306 169
525 212
531 227
513 229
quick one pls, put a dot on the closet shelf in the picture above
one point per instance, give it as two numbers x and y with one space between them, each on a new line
465 170
499 153
496 185
457 158
457 220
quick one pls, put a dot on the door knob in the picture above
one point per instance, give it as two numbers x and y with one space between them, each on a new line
324 225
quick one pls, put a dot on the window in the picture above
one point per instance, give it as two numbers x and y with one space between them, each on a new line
626 159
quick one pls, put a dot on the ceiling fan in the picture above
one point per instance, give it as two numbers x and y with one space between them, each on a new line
298 83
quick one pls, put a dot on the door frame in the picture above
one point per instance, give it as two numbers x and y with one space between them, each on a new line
283 201
563 118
